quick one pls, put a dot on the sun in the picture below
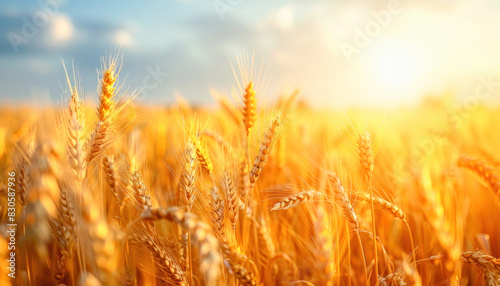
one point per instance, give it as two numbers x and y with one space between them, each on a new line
395 66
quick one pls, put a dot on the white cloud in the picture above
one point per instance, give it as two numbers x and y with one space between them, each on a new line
123 38
282 19
62 28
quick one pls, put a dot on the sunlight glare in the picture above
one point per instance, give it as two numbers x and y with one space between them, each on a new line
395 66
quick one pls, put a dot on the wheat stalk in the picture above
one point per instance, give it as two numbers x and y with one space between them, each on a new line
324 259
43 195
388 207
231 197
76 138
265 243
228 108
187 181
243 176
139 191
249 108
365 154
64 228
111 173
483 170
488 264
217 212
264 151
23 181
342 200
163 257
200 234
202 155
101 238
60 270
383 204
64 237
240 265
226 146
297 199
105 113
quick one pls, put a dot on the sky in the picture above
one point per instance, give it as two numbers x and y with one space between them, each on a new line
337 53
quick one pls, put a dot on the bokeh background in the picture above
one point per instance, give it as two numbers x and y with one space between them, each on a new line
338 53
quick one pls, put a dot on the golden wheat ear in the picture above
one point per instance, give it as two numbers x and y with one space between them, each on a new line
264 151
365 154
231 196
106 111
249 109
111 173
23 181
251 81
242 267
187 180
75 122
341 198
483 170
383 204
76 138
166 263
200 234
489 265
64 230
366 158
297 199
217 213
202 155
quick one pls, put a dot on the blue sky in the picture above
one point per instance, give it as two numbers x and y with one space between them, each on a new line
417 48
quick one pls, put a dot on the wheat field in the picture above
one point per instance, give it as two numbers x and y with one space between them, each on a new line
247 192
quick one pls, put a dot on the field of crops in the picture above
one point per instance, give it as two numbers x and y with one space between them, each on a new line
249 191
